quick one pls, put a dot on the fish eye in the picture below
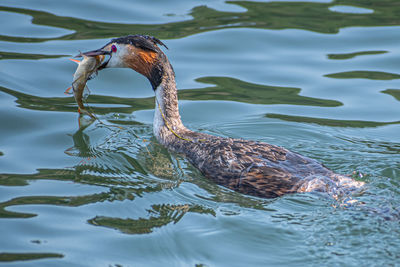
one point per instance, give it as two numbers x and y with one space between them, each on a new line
113 48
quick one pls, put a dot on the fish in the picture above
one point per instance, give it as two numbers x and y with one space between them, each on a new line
85 69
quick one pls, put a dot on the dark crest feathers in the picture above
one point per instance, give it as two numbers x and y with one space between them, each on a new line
145 42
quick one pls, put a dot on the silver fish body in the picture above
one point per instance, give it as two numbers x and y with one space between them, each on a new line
86 67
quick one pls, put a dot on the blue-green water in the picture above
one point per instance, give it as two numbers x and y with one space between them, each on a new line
317 77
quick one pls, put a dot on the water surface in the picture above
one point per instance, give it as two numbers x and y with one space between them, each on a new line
318 77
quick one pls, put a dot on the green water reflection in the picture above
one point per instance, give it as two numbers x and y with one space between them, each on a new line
393 92
355 54
372 75
9 257
160 215
270 15
227 89
117 189
330 122
236 90
11 55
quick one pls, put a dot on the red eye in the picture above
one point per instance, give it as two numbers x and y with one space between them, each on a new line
113 48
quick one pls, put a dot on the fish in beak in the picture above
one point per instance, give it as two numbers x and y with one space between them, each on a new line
90 64
98 53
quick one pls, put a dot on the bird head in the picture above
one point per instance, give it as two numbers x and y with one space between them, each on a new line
138 52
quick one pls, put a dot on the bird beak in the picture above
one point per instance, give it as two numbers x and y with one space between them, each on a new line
94 53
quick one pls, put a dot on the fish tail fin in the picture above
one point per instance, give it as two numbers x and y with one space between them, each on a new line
75 60
68 91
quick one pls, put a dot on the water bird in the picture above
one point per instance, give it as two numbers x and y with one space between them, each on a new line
249 167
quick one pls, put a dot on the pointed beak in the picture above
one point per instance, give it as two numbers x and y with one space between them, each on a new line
94 53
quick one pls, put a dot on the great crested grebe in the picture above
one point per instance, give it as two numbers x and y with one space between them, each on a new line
249 167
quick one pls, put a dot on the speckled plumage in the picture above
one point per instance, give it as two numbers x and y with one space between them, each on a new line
249 167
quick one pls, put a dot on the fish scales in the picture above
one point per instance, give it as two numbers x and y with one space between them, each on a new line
86 67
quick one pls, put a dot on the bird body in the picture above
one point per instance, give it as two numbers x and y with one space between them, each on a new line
249 167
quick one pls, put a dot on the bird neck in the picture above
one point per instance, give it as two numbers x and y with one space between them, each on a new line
167 124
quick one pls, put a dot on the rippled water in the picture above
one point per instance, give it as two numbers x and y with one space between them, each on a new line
317 77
